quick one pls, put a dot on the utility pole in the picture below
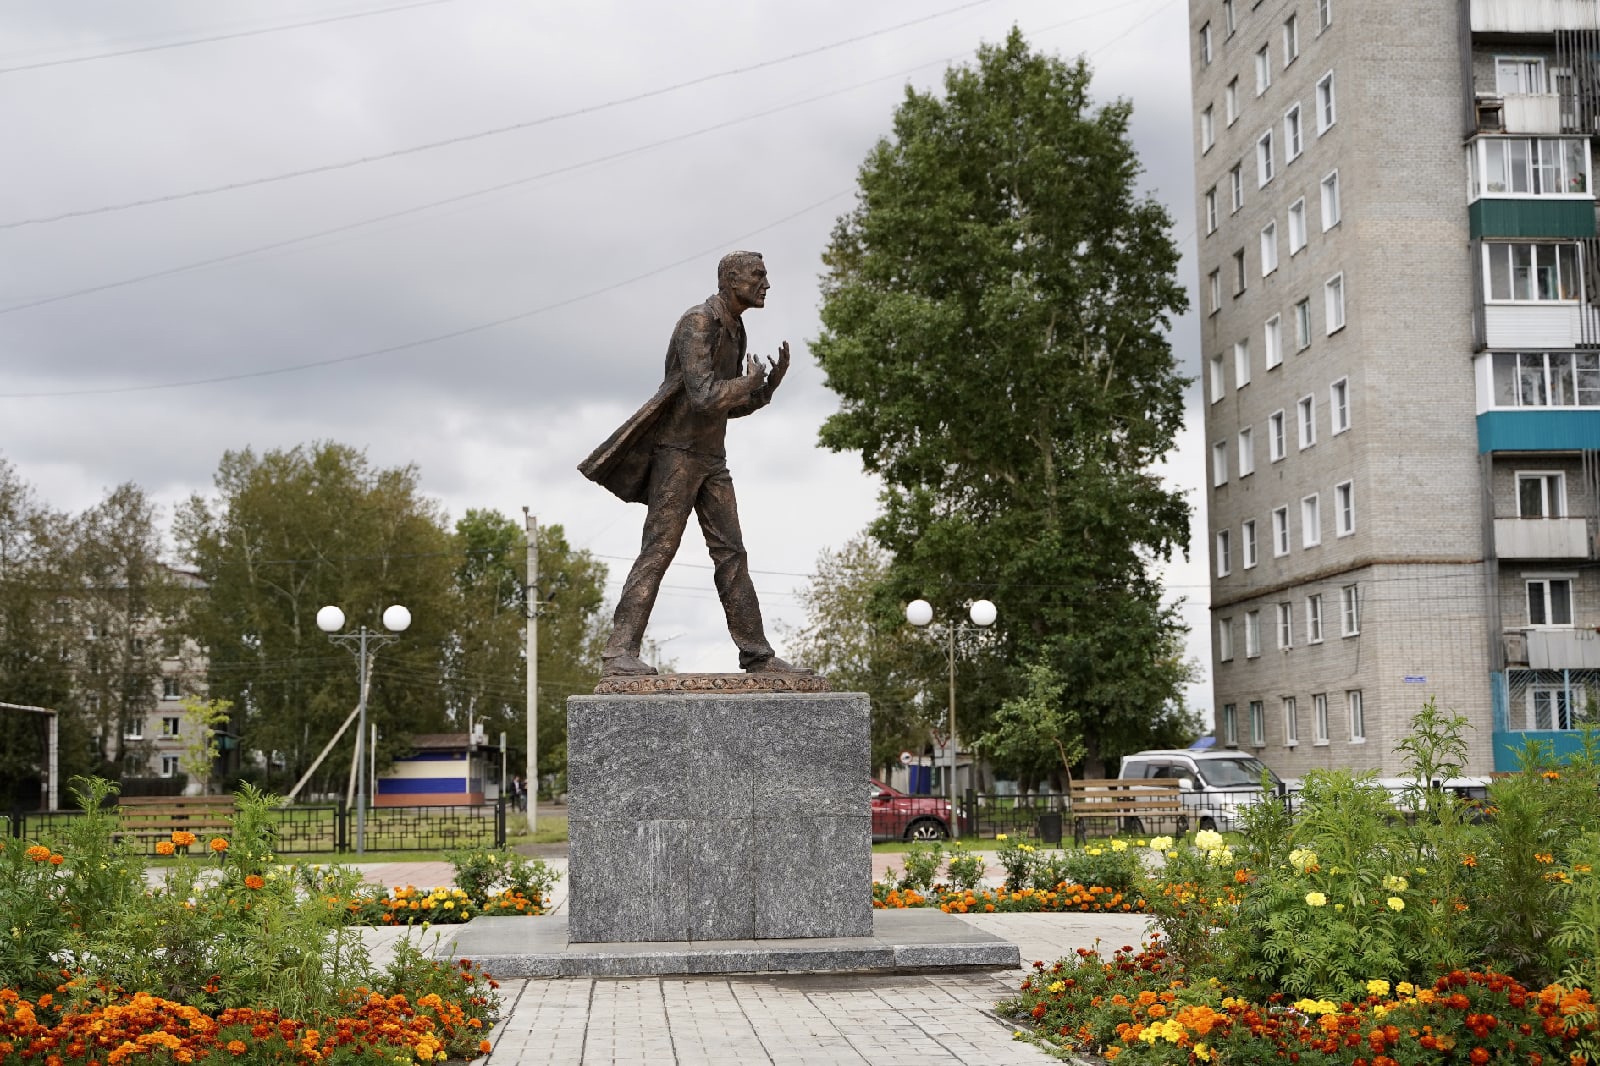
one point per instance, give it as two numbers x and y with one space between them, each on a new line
531 595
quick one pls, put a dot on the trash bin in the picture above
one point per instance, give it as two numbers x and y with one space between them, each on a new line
1050 828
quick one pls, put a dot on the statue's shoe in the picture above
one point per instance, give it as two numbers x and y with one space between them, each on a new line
625 666
775 665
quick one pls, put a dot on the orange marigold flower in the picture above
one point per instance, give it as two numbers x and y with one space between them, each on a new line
1469 860
182 837
1551 775
57 859
236 1047
255 881
1543 858
165 847
219 845
484 1047
38 853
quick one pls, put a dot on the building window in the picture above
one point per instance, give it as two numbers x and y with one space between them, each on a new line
1294 141
1252 634
1324 15
1275 436
1541 495
1358 715
1272 340
1319 718
1264 160
1326 113
1306 410
1291 39
1214 289
1236 185
1269 248
1314 619
1238 273
1297 225
1330 201
1302 324
1344 508
1230 726
169 765
1532 272
1224 640
1219 463
169 726
1528 166
1230 101
1208 129
135 730
1247 452
1310 521
1205 45
1211 210
1280 532
1339 405
1291 723
1350 611
1218 384
1285 626
171 688
1549 601
1248 543
1258 724
1228 23
1224 553
1551 706
1241 363
1545 379
1519 76
1263 70
1333 303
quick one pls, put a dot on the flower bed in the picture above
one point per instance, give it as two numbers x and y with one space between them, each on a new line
1064 897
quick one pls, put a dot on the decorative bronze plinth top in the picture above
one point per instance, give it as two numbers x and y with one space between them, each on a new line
662 684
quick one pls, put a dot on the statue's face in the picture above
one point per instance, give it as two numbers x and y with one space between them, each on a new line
750 284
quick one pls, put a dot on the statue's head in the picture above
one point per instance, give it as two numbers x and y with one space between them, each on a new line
742 277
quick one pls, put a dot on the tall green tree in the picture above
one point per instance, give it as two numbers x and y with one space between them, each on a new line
994 323
290 531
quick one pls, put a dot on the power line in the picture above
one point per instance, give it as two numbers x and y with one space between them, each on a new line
479 135
436 338
219 37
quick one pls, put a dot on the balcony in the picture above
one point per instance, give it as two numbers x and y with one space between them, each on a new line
1556 649
1531 112
1531 16
1547 324
1541 538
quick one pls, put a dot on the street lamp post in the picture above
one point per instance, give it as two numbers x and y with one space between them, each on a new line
363 642
920 613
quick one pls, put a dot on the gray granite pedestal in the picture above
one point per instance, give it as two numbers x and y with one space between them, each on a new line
700 817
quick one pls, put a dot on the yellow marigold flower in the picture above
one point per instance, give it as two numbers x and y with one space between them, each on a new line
1378 987
1160 843
1316 899
1395 884
1395 903
1094 851
1338 906
1000 836
1405 988
1119 845
1057 986
1302 859
1208 839
1202 1053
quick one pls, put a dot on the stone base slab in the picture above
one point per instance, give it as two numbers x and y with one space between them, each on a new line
653 684
901 940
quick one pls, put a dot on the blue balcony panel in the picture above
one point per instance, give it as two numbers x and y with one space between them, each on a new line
1539 429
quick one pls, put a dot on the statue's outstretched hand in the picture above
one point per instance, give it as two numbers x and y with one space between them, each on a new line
755 375
776 370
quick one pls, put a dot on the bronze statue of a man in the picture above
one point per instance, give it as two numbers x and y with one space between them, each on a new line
670 456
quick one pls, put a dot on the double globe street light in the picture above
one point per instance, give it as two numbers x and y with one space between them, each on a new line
920 614
363 642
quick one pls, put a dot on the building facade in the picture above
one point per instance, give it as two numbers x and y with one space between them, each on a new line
1398 287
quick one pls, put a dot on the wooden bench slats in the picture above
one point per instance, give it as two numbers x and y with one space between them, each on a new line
1124 798
154 818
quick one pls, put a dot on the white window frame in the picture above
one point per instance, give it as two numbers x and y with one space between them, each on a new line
1339 406
1331 211
1540 167
1333 303
1291 723
1324 15
1247 452
1350 611
1225 640
1327 104
1230 101
1280 532
1214 288
1544 262
1314 618
1552 493
1285 626
1219 382
1356 705
1230 22
1241 276
1236 187
1272 341
1319 718
1294 134
1559 701
1263 69
1219 464
1252 634
1211 210
1230 725
1310 520
1539 85
1208 128
170 725
1241 363
1248 556
1258 724
1545 585
1291 39
1305 410
135 729
1265 162
1344 508
169 765
1224 552
1269 248
171 687
1206 51
1302 324
1277 436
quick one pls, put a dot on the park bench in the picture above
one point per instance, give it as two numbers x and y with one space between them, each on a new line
152 819
1133 805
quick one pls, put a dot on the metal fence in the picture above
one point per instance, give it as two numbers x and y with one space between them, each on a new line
1047 817
331 830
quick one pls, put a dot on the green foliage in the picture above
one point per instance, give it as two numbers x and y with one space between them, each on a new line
483 874
1115 865
922 861
1037 731
994 324
965 869
204 719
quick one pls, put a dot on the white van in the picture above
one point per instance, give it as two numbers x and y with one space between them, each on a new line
1215 784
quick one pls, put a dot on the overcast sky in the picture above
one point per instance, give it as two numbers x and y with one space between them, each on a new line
491 308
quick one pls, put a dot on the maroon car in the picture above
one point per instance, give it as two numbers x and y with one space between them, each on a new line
897 816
